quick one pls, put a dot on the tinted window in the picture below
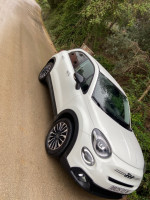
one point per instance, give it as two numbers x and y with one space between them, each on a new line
112 100
77 58
84 67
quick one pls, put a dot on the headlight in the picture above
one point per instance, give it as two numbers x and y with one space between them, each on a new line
100 144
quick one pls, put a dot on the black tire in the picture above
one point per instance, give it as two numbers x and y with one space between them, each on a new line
44 72
58 137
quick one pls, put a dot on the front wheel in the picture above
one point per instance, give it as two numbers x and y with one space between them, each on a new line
58 137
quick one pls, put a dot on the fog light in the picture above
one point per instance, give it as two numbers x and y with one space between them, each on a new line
87 156
81 177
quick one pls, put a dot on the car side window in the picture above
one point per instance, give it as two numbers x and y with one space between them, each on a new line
82 64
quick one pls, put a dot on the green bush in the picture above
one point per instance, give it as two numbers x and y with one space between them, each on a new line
104 62
127 54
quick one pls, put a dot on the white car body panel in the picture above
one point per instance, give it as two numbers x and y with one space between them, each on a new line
123 142
63 82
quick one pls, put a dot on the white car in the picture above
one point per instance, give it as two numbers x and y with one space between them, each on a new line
92 131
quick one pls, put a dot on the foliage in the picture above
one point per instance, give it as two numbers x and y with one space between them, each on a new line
54 3
122 12
141 32
118 32
127 54
48 3
104 62
44 4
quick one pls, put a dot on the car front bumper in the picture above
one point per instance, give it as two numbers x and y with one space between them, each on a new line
88 184
106 178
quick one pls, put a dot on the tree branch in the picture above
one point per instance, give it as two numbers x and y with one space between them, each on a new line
145 92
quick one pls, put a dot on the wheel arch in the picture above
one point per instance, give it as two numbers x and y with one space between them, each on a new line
70 114
52 60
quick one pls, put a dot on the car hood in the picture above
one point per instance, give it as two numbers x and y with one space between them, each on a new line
123 142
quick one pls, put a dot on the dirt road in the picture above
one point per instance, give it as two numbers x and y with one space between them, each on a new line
26 172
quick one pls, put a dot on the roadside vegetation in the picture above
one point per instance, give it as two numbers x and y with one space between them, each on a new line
118 32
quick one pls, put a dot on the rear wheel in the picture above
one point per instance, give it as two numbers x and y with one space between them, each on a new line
44 72
58 137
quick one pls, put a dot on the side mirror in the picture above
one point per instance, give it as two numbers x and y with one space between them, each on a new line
79 79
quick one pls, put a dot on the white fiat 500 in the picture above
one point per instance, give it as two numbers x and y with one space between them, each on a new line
92 133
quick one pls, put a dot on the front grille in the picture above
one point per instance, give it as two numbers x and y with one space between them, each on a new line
119 182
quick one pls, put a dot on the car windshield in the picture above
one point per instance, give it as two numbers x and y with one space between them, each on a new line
112 101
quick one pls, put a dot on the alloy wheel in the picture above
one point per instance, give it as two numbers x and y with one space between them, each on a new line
57 136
